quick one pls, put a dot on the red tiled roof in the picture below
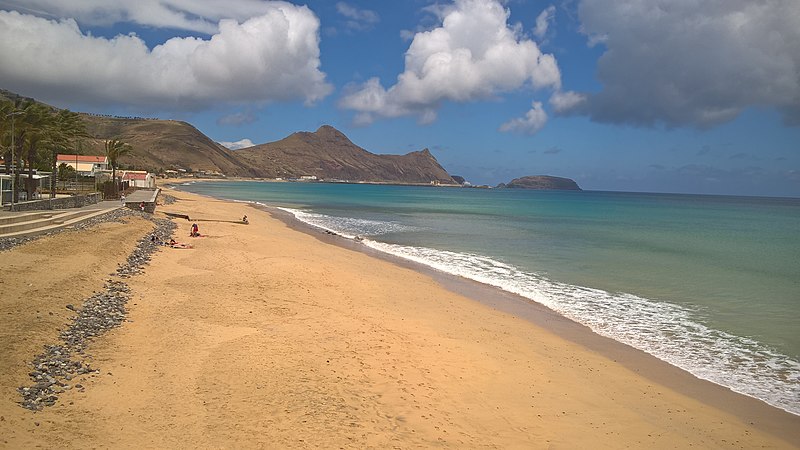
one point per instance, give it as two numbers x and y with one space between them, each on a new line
82 158
134 176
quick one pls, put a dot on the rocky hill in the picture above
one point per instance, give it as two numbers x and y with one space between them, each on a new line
156 144
164 144
542 182
329 154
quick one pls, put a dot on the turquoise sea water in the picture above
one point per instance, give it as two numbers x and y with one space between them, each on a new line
708 283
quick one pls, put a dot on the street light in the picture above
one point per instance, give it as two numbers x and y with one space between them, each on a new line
14 164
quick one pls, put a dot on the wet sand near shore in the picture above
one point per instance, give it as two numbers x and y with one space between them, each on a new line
261 336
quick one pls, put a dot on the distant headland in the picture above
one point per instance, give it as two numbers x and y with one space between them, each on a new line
542 182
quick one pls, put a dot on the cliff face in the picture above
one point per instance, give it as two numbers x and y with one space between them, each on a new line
542 182
329 154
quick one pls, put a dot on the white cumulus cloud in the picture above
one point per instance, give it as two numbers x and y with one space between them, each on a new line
242 143
695 63
357 19
194 15
534 120
543 21
473 54
563 101
270 57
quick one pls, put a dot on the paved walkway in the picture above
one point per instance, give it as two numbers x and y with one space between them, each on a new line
142 196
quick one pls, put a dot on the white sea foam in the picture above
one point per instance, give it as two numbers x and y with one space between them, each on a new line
667 331
347 226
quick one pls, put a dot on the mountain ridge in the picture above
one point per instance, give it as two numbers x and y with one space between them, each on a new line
327 153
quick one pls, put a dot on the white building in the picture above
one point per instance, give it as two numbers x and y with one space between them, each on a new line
85 165
138 178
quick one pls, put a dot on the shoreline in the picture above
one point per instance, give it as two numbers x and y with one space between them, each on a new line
750 409
746 407
295 180
173 181
267 336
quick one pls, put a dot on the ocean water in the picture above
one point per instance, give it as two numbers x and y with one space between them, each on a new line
710 284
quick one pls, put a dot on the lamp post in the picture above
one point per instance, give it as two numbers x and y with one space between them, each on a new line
13 162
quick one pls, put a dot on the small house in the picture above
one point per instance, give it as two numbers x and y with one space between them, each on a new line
85 165
138 178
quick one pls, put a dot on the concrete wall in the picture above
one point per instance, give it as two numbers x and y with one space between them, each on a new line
75 201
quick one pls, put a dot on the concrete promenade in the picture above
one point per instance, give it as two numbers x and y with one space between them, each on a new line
29 223
146 196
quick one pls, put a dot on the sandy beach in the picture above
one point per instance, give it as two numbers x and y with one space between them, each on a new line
265 336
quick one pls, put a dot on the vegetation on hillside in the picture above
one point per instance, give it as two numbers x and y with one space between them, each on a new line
31 136
158 145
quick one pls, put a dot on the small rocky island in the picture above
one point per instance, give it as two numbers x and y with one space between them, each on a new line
541 182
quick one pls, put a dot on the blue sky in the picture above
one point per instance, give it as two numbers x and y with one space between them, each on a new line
633 95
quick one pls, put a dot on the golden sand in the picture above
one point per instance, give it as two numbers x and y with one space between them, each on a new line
262 336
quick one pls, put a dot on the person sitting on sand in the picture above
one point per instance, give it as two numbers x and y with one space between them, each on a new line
195 231
244 220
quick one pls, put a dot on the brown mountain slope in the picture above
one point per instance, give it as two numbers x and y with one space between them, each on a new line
156 144
164 144
329 154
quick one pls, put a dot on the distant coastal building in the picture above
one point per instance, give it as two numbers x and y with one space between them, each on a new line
138 178
208 174
85 165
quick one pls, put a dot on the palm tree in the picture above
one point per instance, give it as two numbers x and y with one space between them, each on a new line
41 131
114 150
65 129
6 116
20 132
36 119
6 110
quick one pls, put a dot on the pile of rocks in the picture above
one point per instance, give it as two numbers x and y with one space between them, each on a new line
7 243
168 199
147 246
55 368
